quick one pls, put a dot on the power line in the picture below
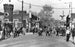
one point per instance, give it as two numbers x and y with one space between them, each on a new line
63 8
31 4
42 6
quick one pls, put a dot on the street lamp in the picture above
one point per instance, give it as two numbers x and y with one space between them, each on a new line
70 8
70 11
62 16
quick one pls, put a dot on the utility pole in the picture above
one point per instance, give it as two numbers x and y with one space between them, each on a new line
29 16
70 11
22 12
29 10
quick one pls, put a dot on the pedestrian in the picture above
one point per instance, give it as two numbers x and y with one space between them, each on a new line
1 32
40 32
63 31
73 33
57 31
54 31
67 34
24 30
47 31
50 31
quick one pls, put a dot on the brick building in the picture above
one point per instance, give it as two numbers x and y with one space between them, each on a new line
16 19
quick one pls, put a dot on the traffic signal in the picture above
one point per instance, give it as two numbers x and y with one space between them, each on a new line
67 21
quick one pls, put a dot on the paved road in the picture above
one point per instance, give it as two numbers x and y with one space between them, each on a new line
36 41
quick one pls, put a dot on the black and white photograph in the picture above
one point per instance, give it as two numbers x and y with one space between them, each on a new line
37 23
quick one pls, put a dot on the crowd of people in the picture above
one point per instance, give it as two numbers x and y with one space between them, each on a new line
58 31
6 30
70 32
49 30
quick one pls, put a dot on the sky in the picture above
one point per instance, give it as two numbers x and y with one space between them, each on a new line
53 3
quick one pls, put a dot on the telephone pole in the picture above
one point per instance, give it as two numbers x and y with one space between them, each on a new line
22 12
70 12
29 16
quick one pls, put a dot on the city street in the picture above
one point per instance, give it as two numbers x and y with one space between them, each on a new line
22 20
31 40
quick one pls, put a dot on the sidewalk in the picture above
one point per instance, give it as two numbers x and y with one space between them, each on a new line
70 44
